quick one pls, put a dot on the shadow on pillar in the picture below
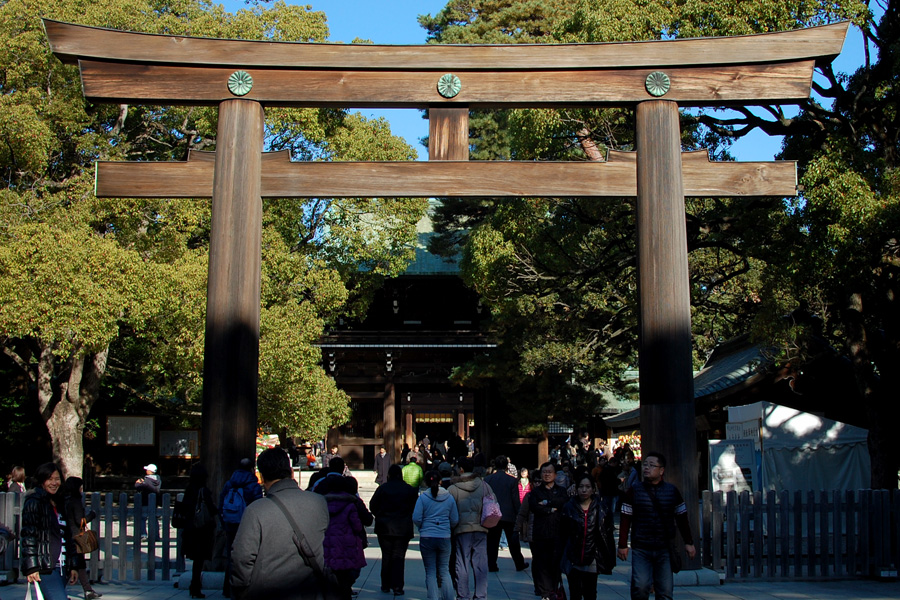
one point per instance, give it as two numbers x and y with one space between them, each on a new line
230 396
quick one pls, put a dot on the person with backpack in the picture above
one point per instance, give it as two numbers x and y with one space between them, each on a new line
237 493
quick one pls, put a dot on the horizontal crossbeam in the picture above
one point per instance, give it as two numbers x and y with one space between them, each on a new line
70 42
282 178
689 86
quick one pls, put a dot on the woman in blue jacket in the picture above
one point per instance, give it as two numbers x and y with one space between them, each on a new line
436 514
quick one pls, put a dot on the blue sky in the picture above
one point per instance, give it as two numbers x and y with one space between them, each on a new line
395 22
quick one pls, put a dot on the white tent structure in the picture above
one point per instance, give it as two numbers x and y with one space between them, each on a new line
803 451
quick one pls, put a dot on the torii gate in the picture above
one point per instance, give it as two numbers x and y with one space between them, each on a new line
243 77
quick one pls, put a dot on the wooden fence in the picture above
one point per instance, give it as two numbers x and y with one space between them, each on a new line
802 535
808 535
123 554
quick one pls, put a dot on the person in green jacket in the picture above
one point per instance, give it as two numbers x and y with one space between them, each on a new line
412 473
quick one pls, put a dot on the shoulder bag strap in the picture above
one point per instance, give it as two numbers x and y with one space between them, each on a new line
299 538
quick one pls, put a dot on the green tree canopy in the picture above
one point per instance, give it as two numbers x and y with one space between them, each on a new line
111 292
559 274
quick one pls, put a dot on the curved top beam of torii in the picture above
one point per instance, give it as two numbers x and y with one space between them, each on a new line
119 66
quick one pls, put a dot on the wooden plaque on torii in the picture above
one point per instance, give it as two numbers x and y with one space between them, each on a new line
243 77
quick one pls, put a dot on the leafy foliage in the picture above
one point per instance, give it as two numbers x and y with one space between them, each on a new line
120 283
829 258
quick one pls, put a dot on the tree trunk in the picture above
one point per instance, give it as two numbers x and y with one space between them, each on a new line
879 414
65 405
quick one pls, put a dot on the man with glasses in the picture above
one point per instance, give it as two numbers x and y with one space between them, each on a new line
650 510
545 503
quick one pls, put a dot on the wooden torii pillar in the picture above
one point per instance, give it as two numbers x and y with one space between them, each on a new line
242 77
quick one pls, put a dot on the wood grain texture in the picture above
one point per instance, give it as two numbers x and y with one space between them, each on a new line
448 133
690 86
664 321
70 42
231 345
284 179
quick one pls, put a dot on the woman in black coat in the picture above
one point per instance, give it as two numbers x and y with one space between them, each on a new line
587 529
199 534
74 493
47 552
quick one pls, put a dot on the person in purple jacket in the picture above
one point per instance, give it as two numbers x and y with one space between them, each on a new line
345 537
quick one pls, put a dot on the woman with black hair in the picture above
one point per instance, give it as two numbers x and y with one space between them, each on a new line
587 529
46 548
198 536
436 514
73 490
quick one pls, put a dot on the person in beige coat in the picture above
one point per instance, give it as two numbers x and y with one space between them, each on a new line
471 537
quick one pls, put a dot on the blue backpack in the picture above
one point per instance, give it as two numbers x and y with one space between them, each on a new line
234 505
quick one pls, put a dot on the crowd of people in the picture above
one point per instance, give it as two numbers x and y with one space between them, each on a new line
310 543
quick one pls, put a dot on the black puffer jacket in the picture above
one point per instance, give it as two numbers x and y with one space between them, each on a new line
546 505
38 524
589 535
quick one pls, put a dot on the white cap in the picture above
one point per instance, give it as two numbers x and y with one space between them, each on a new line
151 467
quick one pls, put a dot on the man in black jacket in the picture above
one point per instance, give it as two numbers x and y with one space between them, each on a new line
506 489
651 509
382 465
393 504
545 502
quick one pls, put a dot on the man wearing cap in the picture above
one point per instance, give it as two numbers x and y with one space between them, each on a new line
146 485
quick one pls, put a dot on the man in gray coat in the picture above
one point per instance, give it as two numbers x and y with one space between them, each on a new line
266 562
506 490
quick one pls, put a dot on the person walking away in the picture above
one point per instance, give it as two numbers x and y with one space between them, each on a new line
609 484
412 472
334 475
651 510
266 561
197 539
46 548
241 490
506 491
524 483
345 538
587 529
545 503
73 490
150 483
382 466
470 536
436 514
392 505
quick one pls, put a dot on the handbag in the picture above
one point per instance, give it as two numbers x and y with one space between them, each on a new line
490 510
38 595
202 515
86 541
